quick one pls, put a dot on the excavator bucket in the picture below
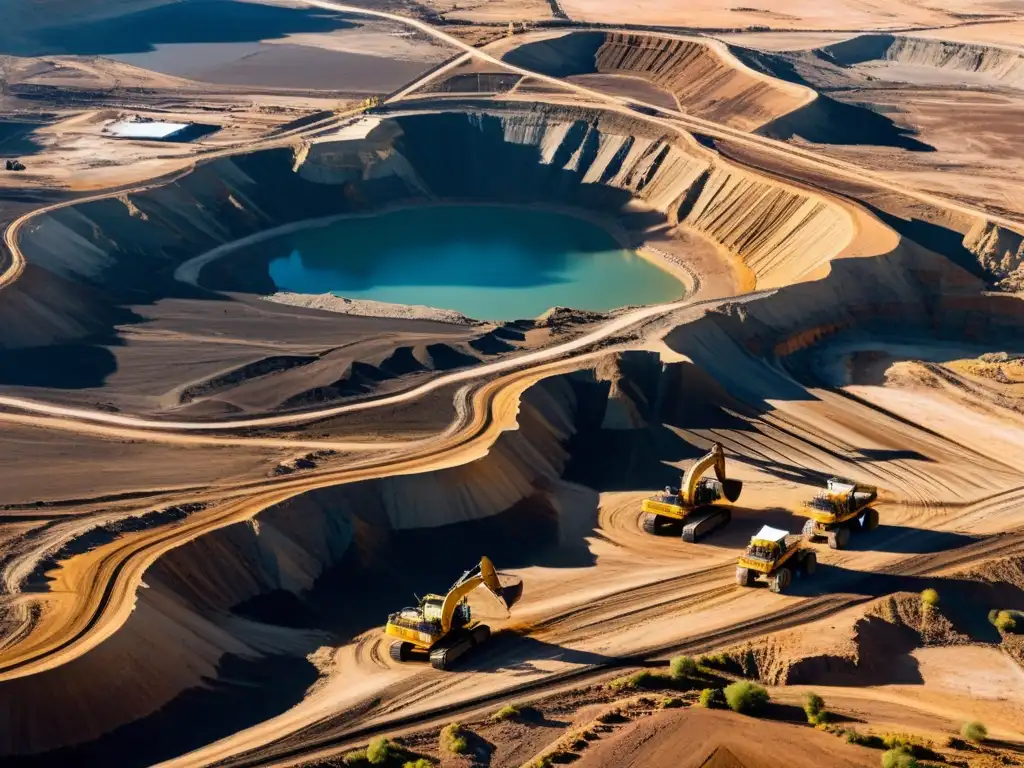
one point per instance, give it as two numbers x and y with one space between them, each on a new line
731 489
511 592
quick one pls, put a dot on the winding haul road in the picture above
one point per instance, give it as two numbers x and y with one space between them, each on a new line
98 587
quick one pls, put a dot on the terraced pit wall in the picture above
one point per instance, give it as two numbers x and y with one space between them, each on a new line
220 636
89 263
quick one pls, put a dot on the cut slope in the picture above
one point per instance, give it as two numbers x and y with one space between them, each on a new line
703 77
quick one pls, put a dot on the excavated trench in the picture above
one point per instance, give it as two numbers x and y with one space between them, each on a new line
97 270
220 635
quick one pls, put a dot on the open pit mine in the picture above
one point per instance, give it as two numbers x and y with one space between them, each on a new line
496 386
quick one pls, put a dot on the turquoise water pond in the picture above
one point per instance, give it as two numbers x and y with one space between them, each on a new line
490 263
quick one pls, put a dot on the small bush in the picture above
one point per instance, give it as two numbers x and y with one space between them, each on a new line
453 739
814 708
745 697
682 666
670 702
380 751
712 698
508 712
853 736
421 762
899 758
974 731
930 598
355 758
1007 622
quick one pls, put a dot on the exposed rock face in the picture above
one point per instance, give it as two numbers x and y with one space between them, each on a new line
1002 65
702 76
1000 252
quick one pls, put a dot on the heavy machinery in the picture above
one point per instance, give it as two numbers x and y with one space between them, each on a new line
441 627
778 557
692 503
843 507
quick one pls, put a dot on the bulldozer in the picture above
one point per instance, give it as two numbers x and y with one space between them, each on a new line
441 628
777 556
840 509
692 503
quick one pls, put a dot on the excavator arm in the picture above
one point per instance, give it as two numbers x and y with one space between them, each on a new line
713 458
482 574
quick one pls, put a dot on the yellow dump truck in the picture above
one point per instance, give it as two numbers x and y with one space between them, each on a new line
839 510
777 557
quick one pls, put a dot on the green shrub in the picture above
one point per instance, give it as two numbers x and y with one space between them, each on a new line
380 751
745 697
930 598
421 762
974 731
355 758
853 736
453 739
814 708
508 712
682 666
1007 622
712 698
899 758
670 702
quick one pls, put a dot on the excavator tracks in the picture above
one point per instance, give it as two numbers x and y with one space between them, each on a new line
447 652
701 523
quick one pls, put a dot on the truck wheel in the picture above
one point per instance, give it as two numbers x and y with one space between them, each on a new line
809 532
745 577
869 520
780 580
839 538
400 651
809 564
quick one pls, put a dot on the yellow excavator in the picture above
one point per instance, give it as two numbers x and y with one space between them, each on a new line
840 509
441 627
692 503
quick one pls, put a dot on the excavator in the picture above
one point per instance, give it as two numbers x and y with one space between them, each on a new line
691 504
834 513
441 627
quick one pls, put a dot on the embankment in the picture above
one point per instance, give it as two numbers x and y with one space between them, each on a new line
238 610
1000 66
701 75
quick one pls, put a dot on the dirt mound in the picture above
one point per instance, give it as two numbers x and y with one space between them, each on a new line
700 74
1000 252
699 738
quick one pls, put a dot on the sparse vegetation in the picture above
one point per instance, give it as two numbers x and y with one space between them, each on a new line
974 731
682 666
453 739
1007 622
814 708
508 712
913 745
712 698
381 751
929 598
421 762
355 758
853 736
899 758
745 697
670 702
